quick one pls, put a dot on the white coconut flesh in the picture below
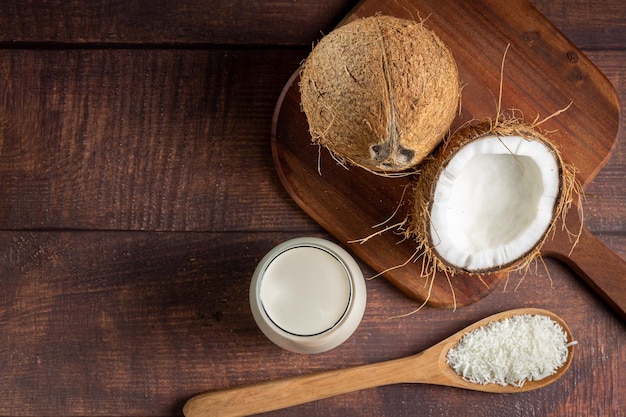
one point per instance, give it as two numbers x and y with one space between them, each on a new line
494 201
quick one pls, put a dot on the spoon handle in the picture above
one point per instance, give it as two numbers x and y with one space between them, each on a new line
273 395
596 264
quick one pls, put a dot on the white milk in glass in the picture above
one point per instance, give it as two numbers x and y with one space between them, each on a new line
305 290
307 295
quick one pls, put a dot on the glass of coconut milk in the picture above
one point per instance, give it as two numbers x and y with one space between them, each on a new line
308 295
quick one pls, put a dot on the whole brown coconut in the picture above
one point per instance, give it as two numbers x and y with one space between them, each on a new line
380 92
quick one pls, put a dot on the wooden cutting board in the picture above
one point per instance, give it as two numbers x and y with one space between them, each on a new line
543 73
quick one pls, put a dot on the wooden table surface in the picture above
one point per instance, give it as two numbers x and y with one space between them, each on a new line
138 193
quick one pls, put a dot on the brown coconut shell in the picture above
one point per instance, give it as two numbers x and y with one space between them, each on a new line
424 191
380 92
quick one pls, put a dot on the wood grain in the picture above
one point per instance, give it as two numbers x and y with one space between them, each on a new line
139 139
169 22
252 22
573 17
125 257
591 260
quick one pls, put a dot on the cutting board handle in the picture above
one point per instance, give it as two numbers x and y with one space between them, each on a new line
592 260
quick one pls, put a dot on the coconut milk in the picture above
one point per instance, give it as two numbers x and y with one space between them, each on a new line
307 295
305 290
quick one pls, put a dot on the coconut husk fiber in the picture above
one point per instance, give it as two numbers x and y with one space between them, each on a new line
380 93
419 224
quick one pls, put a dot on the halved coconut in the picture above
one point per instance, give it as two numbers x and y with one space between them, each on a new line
487 201
380 92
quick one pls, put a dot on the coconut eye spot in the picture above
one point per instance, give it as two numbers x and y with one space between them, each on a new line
379 152
406 155
494 202
391 156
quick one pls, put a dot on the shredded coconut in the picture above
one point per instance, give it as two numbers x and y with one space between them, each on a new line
511 351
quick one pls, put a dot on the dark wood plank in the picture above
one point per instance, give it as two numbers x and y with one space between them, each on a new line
90 321
605 205
142 139
577 20
115 323
256 22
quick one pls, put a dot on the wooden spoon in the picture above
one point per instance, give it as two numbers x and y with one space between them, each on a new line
427 367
